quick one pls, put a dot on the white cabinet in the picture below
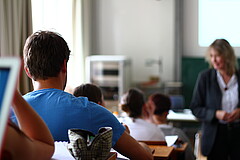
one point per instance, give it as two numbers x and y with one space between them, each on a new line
112 74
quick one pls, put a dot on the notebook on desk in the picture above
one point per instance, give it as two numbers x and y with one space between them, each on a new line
9 69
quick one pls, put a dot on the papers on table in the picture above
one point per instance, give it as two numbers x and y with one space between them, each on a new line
119 156
61 152
186 115
171 140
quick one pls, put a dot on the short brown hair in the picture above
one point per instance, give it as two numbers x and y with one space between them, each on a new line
162 103
44 54
91 91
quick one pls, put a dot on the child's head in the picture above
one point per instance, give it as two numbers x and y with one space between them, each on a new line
162 103
91 91
132 102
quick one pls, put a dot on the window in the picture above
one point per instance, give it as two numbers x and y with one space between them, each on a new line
54 15
219 19
64 17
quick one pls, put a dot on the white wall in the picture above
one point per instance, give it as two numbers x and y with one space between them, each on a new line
190 29
140 29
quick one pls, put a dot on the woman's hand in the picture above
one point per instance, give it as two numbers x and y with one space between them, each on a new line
228 117
222 115
234 115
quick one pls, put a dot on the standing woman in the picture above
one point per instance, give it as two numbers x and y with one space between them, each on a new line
216 104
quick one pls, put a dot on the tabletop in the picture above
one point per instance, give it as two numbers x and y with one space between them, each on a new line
161 152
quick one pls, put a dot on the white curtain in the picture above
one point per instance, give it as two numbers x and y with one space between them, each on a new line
15 27
76 61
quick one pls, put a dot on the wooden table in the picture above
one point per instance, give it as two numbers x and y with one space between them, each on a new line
161 152
164 152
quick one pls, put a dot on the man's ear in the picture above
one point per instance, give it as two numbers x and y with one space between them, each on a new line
27 72
64 66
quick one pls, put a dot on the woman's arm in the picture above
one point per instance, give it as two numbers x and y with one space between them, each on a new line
36 142
199 99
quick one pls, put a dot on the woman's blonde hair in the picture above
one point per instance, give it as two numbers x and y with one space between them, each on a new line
225 50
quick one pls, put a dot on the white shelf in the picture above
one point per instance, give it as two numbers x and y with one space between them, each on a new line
111 73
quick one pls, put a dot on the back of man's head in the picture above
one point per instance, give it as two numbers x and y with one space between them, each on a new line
162 103
44 54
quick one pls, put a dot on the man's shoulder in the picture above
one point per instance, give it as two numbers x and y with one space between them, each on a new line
56 97
44 92
61 98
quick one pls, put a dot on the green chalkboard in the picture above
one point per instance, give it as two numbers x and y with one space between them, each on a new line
191 66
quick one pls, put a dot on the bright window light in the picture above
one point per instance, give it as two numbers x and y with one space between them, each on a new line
54 15
63 17
219 19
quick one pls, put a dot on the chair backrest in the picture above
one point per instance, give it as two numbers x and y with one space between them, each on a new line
197 146
163 143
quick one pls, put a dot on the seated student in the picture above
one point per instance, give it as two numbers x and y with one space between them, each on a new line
132 103
91 91
46 55
161 105
32 140
94 94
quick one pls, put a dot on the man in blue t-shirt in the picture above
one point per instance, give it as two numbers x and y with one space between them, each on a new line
45 61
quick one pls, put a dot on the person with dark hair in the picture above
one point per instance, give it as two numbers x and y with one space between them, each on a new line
46 55
216 104
94 94
133 103
91 91
162 104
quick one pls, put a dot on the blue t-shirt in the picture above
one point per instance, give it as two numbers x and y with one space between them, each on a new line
62 111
